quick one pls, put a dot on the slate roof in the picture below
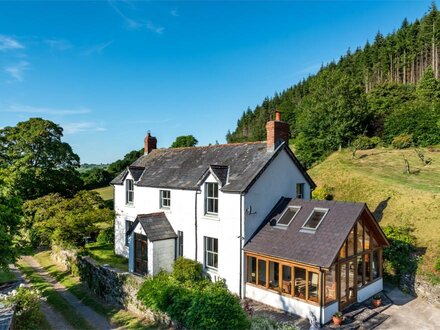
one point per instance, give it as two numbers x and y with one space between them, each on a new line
319 248
182 168
156 226
136 172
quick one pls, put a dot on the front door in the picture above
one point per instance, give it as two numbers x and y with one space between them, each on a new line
347 283
140 254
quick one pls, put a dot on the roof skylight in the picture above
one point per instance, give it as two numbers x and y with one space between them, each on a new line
288 215
315 219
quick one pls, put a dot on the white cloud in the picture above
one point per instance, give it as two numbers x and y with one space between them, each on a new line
58 44
135 24
16 71
8 43
157 29
20 108
174 13
73 128
97 48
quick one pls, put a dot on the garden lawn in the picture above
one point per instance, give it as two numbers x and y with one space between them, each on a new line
105 254
377 177
106 193
116 315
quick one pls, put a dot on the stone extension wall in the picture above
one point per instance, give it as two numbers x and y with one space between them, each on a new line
421 287
113 286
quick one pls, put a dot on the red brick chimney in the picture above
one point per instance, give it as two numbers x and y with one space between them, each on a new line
150 143
277 132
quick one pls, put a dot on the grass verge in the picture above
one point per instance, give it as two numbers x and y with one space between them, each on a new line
54 298
117 316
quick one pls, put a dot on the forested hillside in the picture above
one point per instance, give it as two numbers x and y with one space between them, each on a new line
385 89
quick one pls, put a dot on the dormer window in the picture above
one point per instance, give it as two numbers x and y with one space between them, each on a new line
165 199
314 220
211 198
129 191
288 215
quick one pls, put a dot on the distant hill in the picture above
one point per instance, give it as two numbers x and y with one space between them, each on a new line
376 177
87 167
387 88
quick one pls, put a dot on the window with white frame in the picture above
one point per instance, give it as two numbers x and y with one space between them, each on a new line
165 199
211 198
315 218
129 191
211 252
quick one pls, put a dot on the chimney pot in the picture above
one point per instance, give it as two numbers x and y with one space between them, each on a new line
277 115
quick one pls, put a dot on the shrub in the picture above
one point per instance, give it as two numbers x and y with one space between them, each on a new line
437 264
216 308
260 322
187 270
27 308
106 235
363 142
402 141
376 141
323 193
157 292
397 259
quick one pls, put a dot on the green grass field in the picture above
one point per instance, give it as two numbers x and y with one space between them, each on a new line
106 193
377 177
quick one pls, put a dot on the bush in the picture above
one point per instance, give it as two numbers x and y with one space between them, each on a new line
106 235
363 142
187 270
402 141
192 300
397 259
157 293
323 193
27 308
437 264
216 308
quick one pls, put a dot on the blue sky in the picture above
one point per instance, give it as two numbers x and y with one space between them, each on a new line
108 71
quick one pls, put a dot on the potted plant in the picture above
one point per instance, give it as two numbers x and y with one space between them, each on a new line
337 318
377 300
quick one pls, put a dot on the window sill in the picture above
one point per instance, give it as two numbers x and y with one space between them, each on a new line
166 209
129 205
211 217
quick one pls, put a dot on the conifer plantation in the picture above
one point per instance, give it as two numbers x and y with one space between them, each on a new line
386 89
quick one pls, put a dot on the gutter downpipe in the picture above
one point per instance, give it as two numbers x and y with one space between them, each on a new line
195 224
241 238
321 296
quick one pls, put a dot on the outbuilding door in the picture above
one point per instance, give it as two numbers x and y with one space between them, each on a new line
347 283
140 254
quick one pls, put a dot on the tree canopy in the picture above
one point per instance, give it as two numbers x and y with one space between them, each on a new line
9 223
66 221
35 162
387 88
184 141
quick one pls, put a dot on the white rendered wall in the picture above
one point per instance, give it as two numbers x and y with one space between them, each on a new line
370 290
278 180
226 228
287 304
163 255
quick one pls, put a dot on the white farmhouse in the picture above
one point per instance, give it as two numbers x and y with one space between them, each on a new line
222 205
